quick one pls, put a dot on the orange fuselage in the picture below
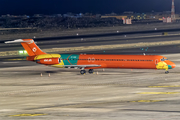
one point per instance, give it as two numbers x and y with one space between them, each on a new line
123 61
105 61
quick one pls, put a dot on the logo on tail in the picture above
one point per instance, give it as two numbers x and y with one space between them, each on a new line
34 49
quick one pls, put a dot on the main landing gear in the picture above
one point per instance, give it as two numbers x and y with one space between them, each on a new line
82 72
91 71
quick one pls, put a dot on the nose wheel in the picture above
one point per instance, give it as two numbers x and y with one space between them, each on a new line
166 72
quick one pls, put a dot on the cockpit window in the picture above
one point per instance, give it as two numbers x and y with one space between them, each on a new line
163 59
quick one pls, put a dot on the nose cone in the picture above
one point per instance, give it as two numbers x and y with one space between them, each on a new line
173 65
170 64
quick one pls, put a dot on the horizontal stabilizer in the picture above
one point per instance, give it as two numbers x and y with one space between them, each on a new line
16 41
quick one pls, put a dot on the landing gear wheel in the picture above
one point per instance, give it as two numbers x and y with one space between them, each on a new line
166 72
91 71
82 72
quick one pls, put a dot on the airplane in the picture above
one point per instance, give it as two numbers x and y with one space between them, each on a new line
91 61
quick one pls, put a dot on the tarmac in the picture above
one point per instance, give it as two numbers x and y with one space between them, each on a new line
124 94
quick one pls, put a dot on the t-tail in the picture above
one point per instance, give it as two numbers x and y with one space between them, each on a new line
29 45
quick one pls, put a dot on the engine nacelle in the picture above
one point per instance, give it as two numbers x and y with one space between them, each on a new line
49 61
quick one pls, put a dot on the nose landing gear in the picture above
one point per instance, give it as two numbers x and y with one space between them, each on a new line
163 66
166 71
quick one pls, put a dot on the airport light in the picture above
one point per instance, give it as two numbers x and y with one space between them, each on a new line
21 52
25 52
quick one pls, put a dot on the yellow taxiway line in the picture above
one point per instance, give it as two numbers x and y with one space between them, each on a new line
147 101
20 115
164 86
159 93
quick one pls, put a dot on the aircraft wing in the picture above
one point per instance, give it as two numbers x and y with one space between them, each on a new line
76 66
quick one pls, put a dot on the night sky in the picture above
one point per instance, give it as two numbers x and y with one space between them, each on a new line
30 7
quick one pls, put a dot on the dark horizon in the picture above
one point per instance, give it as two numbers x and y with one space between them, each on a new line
31 7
